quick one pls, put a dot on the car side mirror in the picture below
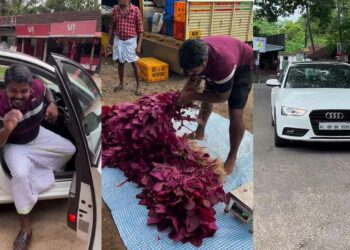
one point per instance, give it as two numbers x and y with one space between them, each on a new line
273 83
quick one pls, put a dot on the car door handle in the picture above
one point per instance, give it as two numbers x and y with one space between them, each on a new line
86 129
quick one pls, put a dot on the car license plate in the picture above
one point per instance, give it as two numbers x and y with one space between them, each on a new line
334 126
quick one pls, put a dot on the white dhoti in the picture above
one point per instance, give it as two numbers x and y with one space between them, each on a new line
32 166
125 51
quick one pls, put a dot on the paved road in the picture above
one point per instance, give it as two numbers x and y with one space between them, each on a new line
301 193
50 231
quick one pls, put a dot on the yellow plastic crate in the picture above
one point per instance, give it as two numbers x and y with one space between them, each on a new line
195 34
153 70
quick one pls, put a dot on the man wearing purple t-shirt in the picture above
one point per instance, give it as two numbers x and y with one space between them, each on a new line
30 151
226 65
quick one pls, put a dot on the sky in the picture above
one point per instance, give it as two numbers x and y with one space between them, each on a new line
293 17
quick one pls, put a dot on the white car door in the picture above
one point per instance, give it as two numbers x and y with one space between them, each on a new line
83 101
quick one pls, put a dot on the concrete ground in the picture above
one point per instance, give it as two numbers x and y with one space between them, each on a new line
49 227
302 192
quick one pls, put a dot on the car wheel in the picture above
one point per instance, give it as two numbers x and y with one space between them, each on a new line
279 142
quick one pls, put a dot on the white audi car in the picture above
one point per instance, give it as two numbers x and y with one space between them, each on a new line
79 104
311 102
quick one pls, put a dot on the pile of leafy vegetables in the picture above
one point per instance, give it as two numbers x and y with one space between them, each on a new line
180 182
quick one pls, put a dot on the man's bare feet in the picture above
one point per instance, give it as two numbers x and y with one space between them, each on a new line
230 164
138 92
195 136
118 88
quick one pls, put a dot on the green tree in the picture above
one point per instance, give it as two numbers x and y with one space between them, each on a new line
58 5
261 27
312 9
16 7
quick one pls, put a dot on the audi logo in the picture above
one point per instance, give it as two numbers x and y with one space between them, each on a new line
334 115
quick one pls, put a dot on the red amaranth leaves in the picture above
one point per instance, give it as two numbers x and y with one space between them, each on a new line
180 184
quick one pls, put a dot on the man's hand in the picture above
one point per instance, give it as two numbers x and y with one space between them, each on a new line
11 119
192 84
138 50
51 113
186 97
189 90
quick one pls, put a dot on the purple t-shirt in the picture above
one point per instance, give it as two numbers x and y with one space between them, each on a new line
225 54
33 113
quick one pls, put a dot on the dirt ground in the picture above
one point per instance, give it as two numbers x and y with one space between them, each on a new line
109 76
50 230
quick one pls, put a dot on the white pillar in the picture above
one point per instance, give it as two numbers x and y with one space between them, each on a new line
92 53
45 49
35 46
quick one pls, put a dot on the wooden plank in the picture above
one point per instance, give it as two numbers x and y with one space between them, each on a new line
200 7
187 20
242 33
223 15
232 17
200 17
197 19
221 27
211 18
250 26
240 24
241 15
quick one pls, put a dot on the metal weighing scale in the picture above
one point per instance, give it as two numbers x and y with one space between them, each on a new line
241 203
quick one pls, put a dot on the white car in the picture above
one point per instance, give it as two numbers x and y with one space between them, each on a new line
311 102
79 103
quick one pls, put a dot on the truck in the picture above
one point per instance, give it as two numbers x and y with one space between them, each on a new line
190 19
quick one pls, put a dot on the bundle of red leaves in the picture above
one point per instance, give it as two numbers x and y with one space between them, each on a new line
180 183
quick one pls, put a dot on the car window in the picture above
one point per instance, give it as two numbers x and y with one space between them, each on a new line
2 75
90 103
48 83
282 74
318 76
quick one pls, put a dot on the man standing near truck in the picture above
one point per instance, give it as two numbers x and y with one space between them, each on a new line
226 65
127 28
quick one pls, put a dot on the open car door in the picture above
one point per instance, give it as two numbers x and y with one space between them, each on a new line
83 101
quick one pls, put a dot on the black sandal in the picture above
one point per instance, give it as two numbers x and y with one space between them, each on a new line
118 88
22 240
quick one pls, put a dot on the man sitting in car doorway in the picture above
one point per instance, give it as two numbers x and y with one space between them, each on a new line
31 152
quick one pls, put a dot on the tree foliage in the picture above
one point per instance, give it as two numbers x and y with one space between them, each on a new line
16 7
322 21
272 9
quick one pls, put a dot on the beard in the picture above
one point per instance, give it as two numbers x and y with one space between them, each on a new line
17 103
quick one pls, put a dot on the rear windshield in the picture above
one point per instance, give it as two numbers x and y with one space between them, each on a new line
318 76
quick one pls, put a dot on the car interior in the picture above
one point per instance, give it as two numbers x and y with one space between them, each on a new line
60 127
